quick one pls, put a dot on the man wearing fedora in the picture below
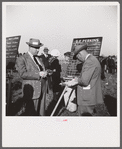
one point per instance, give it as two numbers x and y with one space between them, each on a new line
32 71
45 57
89 92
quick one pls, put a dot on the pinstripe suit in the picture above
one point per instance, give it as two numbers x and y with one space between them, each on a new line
29 72
89 92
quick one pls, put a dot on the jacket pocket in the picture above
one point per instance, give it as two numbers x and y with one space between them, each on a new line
87 94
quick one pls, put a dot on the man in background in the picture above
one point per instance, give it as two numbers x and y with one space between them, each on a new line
45 57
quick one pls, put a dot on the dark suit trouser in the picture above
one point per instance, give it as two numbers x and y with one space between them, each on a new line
85 109
42 99
40 103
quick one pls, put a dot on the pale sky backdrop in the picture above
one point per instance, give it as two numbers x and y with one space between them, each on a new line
57 23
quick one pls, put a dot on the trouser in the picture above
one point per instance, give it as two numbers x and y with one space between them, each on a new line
36 103
113 70
49 79
39 103
88 110
42 99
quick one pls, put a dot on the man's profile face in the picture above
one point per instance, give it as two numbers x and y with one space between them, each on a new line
46 51
80 56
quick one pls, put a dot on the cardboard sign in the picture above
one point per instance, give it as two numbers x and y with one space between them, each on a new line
93 44
93 47
12 44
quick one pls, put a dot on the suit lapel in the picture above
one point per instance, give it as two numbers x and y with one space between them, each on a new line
31 61
87 58
86 61
41 63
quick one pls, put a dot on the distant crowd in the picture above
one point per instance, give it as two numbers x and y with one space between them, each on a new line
108 65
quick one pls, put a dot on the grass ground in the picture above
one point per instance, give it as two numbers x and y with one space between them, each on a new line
109 89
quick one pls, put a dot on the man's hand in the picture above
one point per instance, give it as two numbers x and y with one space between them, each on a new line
73 82
43 74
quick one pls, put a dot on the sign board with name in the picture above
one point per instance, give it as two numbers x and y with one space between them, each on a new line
12 45
93 44
93 47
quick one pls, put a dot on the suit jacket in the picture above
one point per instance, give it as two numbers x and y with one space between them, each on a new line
45 60
56 76
29 72
89 90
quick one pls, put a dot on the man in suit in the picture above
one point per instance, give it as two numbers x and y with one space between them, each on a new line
89 92
32 71
45 57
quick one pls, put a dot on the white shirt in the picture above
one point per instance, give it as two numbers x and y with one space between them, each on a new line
31 56
34 60
45 55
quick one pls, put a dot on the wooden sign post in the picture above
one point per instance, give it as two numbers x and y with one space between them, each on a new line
8 97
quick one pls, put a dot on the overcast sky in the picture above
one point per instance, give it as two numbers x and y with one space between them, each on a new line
57 23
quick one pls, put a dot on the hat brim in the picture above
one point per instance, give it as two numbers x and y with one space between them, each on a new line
35 46
45 50
74 57
75 54
80 48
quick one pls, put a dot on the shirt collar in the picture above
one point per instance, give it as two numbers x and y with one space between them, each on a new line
30 54
87 56
45 55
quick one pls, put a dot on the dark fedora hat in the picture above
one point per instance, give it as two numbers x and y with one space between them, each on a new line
79 48
35 43
46 49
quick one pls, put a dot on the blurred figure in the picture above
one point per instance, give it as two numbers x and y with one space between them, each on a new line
107 64
113 64
56 67
67 56
10 65
103 63
45 57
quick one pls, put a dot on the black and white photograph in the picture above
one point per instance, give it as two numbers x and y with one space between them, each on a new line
61 74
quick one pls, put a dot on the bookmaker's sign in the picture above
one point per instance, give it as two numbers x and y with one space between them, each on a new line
93 44
12 45
93 47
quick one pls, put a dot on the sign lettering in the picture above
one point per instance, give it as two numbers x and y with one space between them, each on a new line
93 47
12 44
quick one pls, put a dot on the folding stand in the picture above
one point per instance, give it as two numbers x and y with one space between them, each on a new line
58 101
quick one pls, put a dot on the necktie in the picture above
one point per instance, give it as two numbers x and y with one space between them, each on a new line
40 67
